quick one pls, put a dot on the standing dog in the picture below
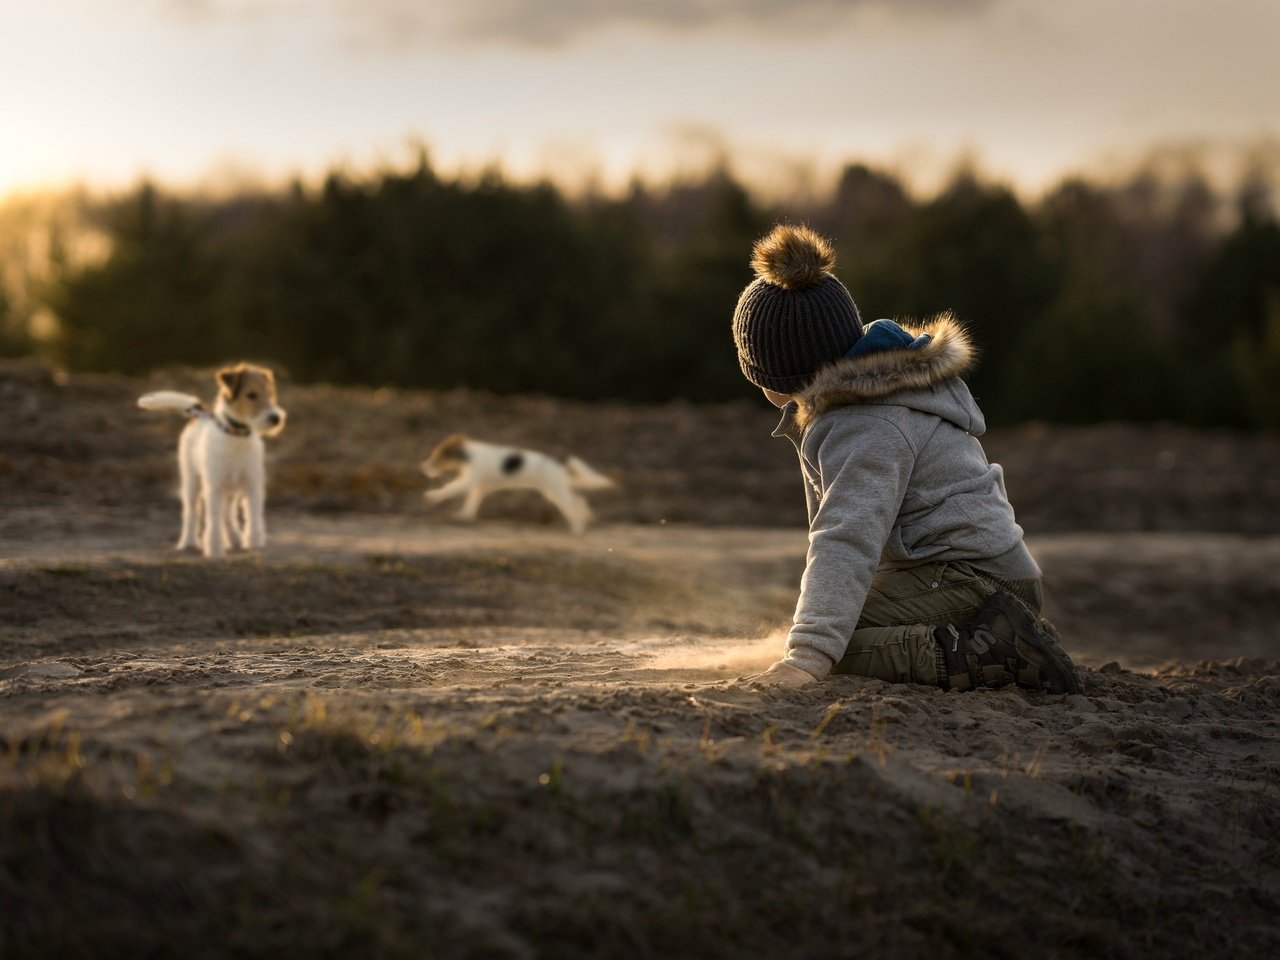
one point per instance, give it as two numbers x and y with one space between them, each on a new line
221 459
484 468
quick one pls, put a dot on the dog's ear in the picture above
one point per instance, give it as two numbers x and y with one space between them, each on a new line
231 378
269 381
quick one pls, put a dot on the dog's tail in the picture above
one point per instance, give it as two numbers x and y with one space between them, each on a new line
582 477
169 400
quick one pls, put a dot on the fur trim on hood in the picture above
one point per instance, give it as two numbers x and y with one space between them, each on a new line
853 380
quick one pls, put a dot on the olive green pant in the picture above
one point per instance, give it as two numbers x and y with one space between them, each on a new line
894 638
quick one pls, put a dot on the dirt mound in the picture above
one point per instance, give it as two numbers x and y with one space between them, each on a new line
391 735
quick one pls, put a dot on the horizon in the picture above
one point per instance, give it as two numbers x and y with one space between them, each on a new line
205 94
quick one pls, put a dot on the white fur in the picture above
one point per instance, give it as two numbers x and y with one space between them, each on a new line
483 474
222 478
168 400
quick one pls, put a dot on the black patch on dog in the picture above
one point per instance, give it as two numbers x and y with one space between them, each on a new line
512 463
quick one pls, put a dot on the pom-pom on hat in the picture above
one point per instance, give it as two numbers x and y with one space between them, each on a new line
795 316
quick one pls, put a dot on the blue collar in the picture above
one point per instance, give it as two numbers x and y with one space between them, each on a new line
886 335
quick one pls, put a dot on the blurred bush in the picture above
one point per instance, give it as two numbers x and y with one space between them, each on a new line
1132 302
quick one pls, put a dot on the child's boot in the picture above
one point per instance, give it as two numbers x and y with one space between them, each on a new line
1003 644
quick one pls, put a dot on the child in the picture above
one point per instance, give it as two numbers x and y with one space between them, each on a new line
916 570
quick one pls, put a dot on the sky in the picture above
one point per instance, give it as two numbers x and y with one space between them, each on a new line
193 92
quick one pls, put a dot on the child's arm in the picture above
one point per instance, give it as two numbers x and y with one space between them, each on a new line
865 463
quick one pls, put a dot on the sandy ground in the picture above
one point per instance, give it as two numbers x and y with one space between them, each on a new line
390 735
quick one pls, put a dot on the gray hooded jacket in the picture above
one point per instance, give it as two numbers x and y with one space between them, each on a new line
894 476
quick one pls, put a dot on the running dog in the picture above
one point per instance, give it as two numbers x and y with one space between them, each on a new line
221 459
484 468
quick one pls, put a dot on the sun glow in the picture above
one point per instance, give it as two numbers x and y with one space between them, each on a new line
105 93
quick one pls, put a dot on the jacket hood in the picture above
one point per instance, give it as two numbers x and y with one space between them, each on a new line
902 376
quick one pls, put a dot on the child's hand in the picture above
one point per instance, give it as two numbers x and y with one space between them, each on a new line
782 674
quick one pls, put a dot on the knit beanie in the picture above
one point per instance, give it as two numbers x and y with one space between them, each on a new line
795 316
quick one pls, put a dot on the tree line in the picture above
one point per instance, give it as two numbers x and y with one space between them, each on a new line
1137 301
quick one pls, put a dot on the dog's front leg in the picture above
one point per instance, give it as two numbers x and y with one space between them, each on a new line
255 529
455 487
216 506
232 525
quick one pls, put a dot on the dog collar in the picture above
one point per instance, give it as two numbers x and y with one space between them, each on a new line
232 428
229 426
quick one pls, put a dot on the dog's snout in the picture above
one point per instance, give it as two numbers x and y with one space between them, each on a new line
273 419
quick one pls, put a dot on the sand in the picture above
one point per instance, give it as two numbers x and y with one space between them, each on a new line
392 735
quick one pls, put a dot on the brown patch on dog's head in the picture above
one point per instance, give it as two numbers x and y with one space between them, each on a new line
247 394
449 454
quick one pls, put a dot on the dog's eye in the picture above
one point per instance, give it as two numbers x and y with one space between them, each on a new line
252 395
